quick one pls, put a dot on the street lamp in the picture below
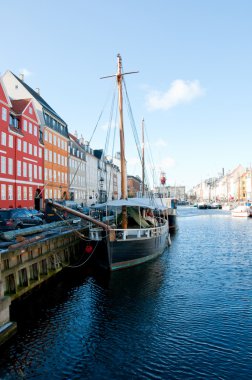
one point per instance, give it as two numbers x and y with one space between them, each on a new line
101 189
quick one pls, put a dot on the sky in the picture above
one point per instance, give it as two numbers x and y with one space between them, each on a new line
193 88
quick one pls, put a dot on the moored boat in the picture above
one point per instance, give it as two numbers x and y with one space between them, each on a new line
242 211
135 237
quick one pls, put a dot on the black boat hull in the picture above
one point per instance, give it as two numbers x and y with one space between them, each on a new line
128 253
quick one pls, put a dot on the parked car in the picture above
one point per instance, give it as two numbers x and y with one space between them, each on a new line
15 218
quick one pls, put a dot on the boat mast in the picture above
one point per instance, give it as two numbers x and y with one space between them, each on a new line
124 194
143 158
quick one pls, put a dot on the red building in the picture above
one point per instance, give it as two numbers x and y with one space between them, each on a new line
21 153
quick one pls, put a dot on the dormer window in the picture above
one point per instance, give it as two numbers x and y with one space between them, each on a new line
13 121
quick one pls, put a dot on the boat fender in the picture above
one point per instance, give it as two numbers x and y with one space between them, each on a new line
88 249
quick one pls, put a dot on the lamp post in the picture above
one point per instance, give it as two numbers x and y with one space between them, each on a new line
101 189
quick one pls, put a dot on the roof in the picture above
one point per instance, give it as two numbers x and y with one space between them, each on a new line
39 99
132 202
19 106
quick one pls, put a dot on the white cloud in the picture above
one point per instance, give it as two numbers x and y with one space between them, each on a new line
26 72
179 92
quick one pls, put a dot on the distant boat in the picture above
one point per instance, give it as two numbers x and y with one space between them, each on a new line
202 206
242 211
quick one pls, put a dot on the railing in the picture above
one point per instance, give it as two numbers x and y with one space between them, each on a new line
131 233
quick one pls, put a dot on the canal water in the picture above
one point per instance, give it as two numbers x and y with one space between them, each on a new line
185 315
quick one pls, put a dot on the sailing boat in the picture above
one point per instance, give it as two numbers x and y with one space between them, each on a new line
136 237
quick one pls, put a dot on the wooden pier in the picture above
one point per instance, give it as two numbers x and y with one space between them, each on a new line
29 262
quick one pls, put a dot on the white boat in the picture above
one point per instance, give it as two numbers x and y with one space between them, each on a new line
242 211
132 239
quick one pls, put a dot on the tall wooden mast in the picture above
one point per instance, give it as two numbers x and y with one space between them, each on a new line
124 193
143 179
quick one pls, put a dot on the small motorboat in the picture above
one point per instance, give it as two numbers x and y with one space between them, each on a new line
242 211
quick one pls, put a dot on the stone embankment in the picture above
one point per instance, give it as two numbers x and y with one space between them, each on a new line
30 257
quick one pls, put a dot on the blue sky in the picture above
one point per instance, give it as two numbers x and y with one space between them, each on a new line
193 88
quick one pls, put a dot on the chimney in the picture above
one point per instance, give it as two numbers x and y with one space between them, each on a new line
21 76
75 134
37 90
82 140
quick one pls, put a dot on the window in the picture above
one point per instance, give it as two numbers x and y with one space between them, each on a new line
58 142
19 145
55 194
35 170
25 146
46 154
55 175
40 153
46 174
10 141
24 169
50 156
3 192
40 172
30 110
58 176
54 140
3 138
25 125
59 159
10 192
55 157
30 148
46 136
30 128
35 130
50 193
4 114
50 174
3 164
14 122
25 193
35 151
50 138
10 166
19 193
19 168
46 193
30 193
30 172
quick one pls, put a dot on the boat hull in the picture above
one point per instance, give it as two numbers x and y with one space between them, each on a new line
128 253
172 222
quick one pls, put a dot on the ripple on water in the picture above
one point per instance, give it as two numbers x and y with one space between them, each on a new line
187 314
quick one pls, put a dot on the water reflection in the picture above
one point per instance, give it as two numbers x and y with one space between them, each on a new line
186 314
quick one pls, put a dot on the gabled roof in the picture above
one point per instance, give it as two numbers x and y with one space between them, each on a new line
39 99
20 105
74 138
4 94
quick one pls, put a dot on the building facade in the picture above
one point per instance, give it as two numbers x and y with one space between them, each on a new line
21 152
54 132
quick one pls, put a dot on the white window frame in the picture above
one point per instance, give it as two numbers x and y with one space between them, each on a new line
4 114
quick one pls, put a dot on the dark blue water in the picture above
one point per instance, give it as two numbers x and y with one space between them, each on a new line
186 315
